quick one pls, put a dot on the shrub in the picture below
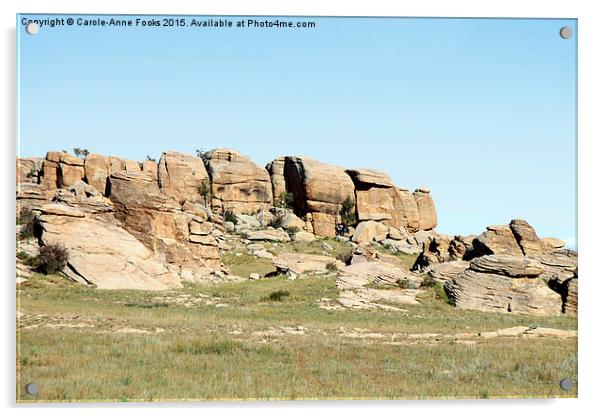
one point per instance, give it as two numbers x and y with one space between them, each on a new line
332 267
52 258
428 281
80 152
28 221
348 215
28 260
230 216
150 159
277 221
205 191
278 296
285 200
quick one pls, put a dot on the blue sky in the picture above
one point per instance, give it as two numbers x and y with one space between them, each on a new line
481 111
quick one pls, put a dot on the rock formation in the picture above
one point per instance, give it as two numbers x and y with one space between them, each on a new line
182 177
319 191
103 253
152 225
237 183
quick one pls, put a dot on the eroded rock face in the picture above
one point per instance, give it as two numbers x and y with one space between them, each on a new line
29 170
102 253
496 292
526 237
182 176
97 169
318 189
376 197
276 171
427 215
498 239
159 223
237 183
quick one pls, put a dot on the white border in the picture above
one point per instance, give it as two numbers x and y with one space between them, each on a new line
589 196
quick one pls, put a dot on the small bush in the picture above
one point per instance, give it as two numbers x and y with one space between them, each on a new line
428 281
230 216
278 296
332 267
52 258
348 214
285 200
27 220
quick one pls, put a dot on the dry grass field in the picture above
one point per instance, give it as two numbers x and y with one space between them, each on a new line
272 339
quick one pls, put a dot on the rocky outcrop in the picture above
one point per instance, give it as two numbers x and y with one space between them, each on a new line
276 171
237 183
103 253
319 189
501 284
159 222
182 177
70 168
274 235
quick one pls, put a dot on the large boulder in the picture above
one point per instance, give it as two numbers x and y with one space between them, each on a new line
276 171
377 199
498 239
369 231
237 183
97 169
318 189
182 176
526 237
426 209
103 253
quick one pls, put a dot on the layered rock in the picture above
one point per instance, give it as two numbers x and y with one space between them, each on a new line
183 177
103 253
159 223
237 183
319 189
500 283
